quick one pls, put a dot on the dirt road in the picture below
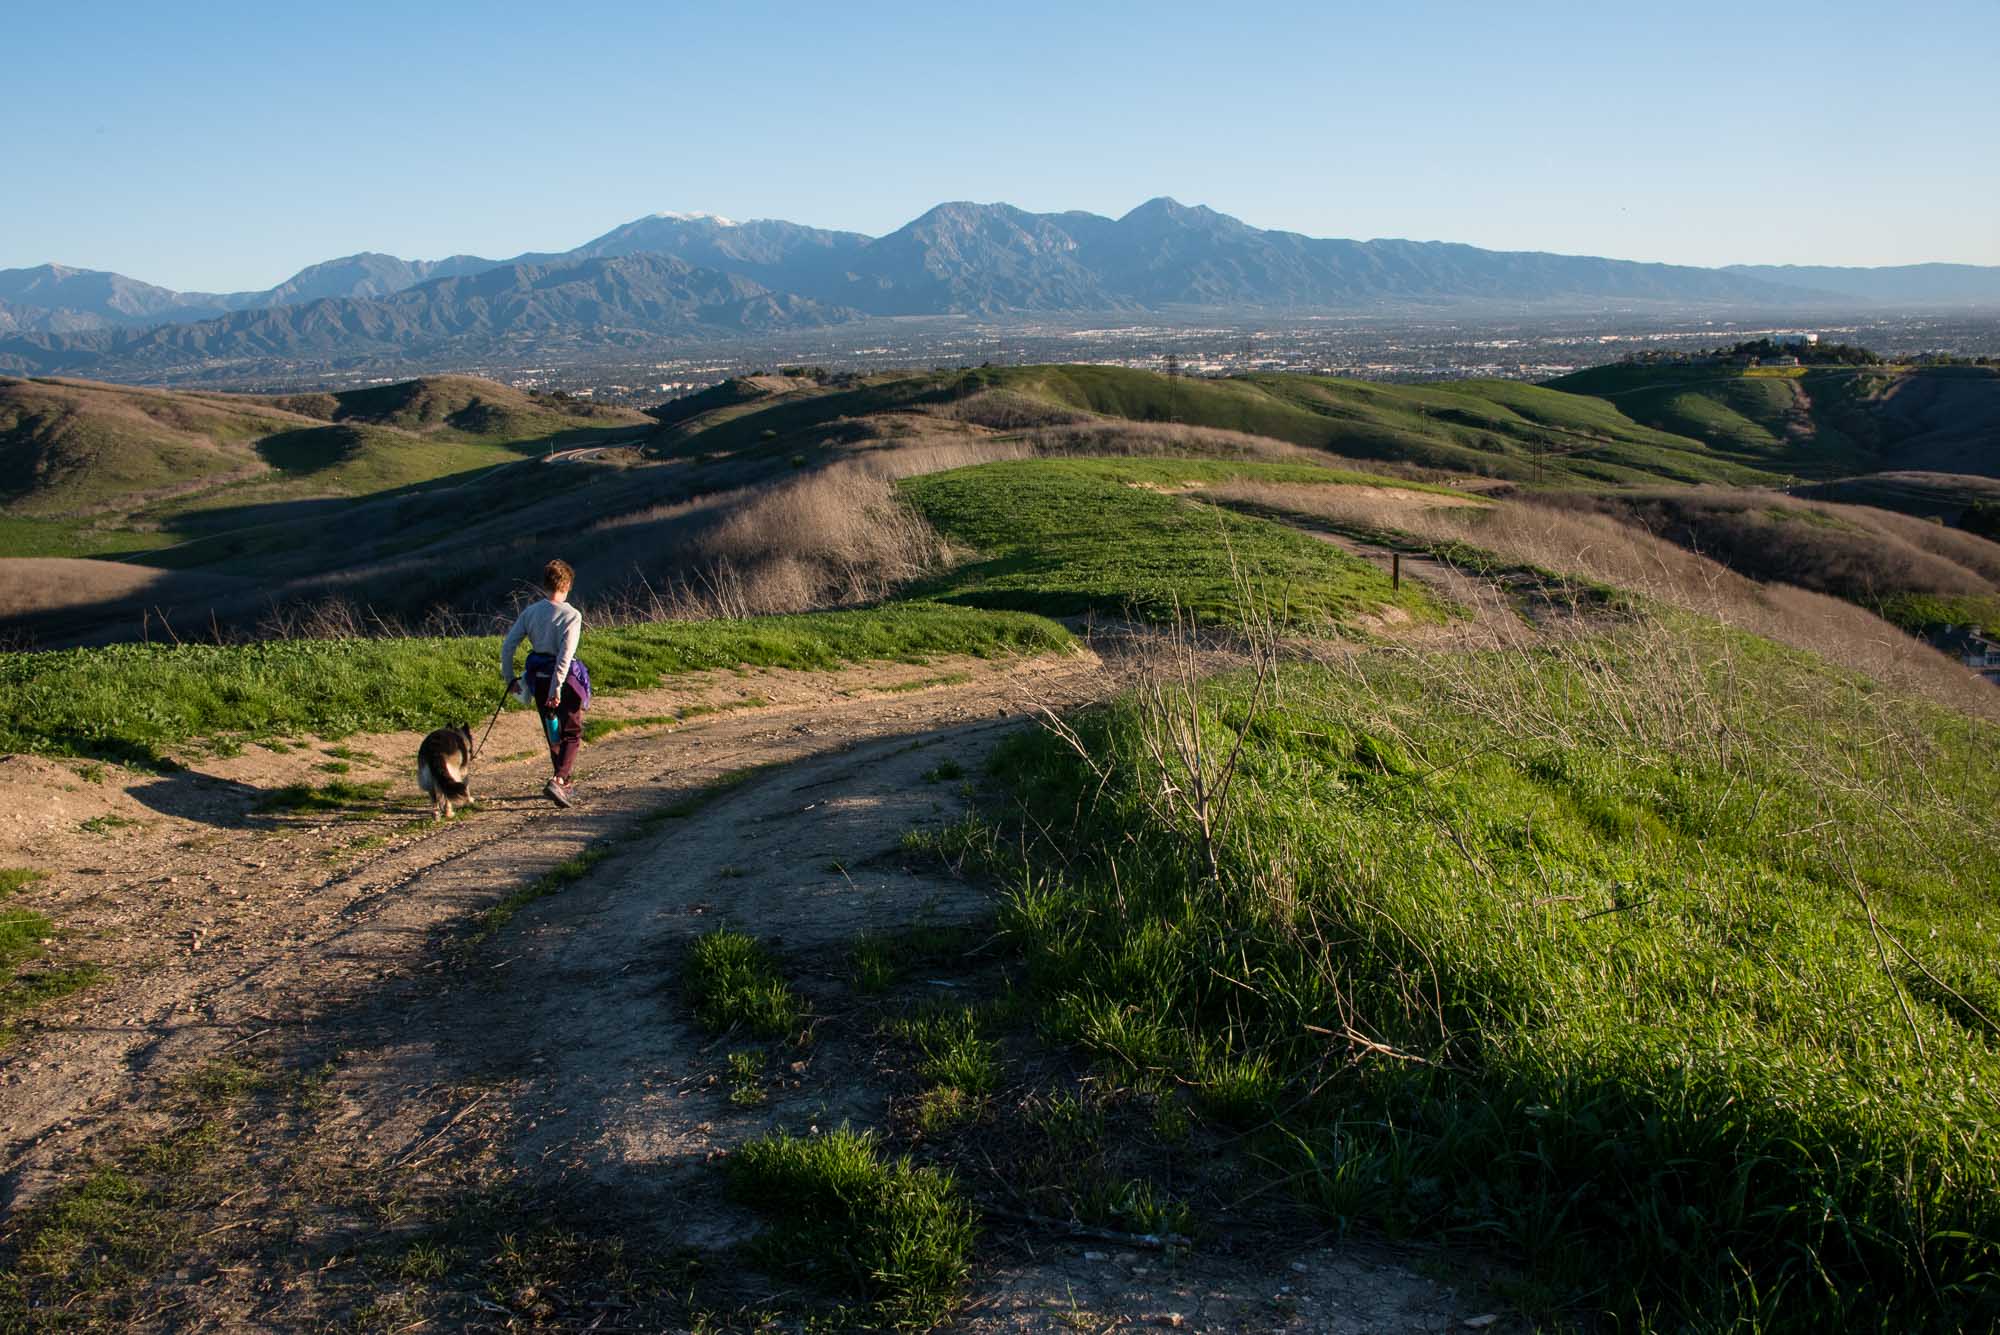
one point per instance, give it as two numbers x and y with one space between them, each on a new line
365 1064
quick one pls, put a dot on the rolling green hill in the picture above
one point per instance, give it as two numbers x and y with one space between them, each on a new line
1066 536
95 469
457 406
1814 421
1492 428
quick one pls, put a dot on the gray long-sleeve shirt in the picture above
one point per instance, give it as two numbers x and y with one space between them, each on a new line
549 628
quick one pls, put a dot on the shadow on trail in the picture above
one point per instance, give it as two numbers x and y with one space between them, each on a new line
536 1086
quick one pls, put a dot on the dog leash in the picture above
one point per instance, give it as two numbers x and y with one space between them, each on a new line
504 691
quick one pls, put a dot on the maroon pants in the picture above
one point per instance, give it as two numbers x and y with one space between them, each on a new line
569 722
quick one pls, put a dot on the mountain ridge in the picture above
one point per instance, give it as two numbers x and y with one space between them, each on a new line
617 301
957 258
762 248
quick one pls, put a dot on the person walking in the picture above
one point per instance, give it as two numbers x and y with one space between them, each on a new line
556 677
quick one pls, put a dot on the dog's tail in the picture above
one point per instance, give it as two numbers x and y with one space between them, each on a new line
448 781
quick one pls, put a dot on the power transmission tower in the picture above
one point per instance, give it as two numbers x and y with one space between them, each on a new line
1173 363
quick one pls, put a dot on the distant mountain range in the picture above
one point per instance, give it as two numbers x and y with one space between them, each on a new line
672 277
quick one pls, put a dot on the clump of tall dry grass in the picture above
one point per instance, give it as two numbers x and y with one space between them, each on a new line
837 537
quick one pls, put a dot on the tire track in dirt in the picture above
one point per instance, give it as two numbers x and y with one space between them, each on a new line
217 924
557 1057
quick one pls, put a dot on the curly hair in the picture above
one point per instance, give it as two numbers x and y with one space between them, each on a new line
557 576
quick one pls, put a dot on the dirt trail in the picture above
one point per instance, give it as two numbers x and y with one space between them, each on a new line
558 1056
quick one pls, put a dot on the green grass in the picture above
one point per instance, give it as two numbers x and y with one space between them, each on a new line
1494 427
158 467
565 873
1827 421
896 1236
957 1057
746 1079
24 983
134 702
1919 612
880 960
62 537
1066 536
594 728
335 795
1566 954
732 983
100 1236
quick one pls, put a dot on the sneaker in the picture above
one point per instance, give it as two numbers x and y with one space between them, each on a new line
557 792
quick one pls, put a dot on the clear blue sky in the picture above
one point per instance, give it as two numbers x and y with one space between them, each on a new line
225 145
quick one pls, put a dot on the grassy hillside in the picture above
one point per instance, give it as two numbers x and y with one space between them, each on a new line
1816 421
1941 496
464 407
109 468
134 703
1065 536
1494 428
70 447
1895 564
1525 950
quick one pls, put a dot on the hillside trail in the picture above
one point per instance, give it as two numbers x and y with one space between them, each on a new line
554 1060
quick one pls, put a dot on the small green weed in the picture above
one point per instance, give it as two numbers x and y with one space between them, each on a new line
23 937
106 824
924 683
944 771
960 1061
746 1079
731 982
880 960
570 869
1136 1206
886 1231
594 728
336 795
967 847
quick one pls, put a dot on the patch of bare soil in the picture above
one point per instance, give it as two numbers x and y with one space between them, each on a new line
521 1127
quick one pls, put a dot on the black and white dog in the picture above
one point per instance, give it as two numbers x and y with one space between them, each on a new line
444 768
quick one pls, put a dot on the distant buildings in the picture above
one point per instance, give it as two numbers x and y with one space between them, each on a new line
1795 340
1971 646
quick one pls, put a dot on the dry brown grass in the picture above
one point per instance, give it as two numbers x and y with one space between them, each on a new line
1853 551
1596 548
837 537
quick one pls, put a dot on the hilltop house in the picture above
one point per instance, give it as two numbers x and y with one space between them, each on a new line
1971 646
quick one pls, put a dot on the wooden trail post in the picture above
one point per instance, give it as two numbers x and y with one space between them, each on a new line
1395 570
